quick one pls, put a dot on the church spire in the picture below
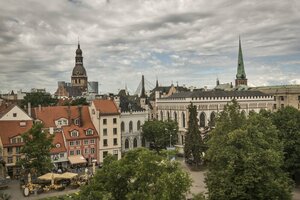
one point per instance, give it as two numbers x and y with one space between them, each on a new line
143 94
241 75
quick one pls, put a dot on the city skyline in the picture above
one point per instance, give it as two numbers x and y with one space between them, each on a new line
189 42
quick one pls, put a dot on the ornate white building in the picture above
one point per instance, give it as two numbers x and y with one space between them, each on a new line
209 104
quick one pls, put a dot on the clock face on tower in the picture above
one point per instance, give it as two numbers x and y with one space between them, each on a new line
77 72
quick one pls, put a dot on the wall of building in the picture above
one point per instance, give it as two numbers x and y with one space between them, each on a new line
135 133
177 109
14 114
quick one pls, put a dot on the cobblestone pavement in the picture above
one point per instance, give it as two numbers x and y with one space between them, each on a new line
17 194
199 185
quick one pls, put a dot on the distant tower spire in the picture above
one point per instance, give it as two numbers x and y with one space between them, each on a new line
241 75
218 82
156 82
143 94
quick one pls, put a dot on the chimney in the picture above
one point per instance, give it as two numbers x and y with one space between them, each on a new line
40 107
69 114
29 109
80 115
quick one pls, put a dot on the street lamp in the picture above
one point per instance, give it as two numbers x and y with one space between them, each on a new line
170 133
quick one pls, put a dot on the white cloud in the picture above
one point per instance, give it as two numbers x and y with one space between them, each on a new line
193 42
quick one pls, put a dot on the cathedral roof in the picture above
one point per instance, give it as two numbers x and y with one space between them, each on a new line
78 70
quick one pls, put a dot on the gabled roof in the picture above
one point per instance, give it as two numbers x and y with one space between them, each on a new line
10 129
106 107
7 113
130 103
48 115
5 108
58 139
81 130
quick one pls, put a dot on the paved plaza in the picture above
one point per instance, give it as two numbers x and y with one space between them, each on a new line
197 187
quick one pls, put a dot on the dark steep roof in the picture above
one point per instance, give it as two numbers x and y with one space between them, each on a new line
216 93
130 103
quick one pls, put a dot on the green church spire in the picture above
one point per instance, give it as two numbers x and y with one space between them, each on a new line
240 68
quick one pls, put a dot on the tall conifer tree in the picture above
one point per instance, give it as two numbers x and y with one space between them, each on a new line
194 145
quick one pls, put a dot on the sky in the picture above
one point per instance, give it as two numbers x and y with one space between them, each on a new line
189 42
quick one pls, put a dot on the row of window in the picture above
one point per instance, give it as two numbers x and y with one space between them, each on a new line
105 142
115 131
11 160
16 140
138 126
75 133
10 150
86 151
105 121
78 142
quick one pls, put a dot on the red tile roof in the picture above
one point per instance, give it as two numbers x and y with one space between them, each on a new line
49 114
106 107
10 129
58 139
85 125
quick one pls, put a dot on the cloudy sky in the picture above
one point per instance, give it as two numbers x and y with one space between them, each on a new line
191 42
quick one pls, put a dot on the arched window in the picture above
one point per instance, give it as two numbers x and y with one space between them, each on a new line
183 119
130 126
122 127
126 144
168 115
134 143
202 120
138 125
161 116
143 142
212 119
175 116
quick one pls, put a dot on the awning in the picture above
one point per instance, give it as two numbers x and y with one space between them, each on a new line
79 159
49 176
67 175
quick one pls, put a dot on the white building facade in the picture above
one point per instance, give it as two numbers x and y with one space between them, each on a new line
209 104
131 129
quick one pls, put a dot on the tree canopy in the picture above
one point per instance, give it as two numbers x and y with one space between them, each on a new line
140 174
287 121
245 158
194 145
37 146
159 133
76 102
38 98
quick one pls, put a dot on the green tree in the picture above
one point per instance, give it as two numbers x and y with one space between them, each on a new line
140 174
194 145
76 102
38 98
160 133
245 157
37 146
287 121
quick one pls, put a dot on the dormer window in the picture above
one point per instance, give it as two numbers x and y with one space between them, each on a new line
89 132
74 133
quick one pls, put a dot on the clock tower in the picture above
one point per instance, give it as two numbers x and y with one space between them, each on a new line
79 78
